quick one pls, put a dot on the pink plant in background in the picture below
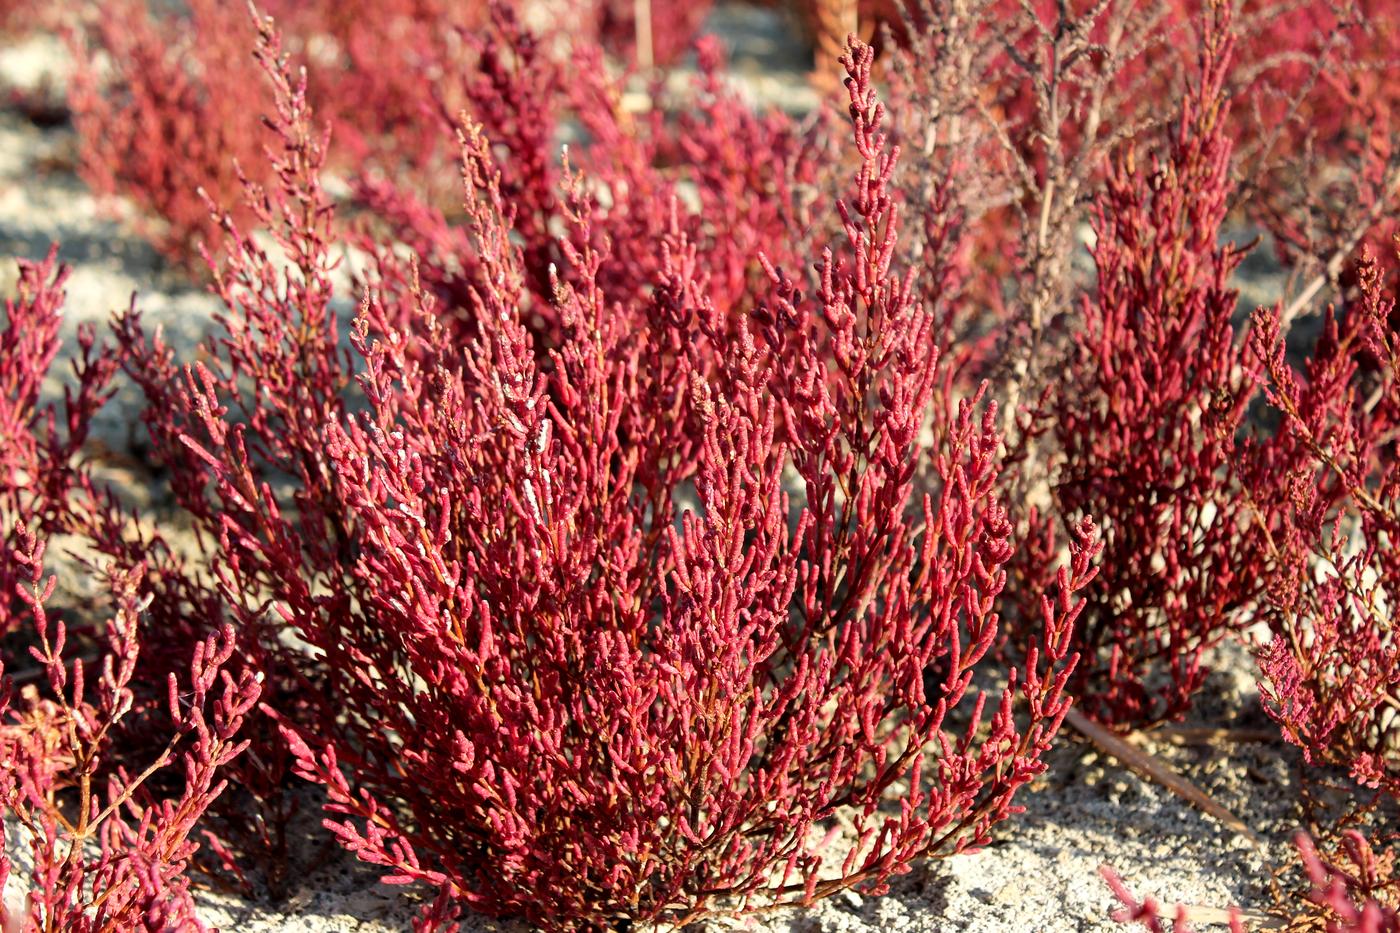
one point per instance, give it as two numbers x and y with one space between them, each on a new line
1353 892
369 63
515 91
20 18
1320 159
1331 671
1356 888
637 166
167 103
661 37
1148 912
1331 668
104 853
166 109
747 205
37 470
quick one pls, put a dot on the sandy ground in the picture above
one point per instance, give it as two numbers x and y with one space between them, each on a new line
1040 874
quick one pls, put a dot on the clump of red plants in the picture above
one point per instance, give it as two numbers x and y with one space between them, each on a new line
725 512
1145 421
686 613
